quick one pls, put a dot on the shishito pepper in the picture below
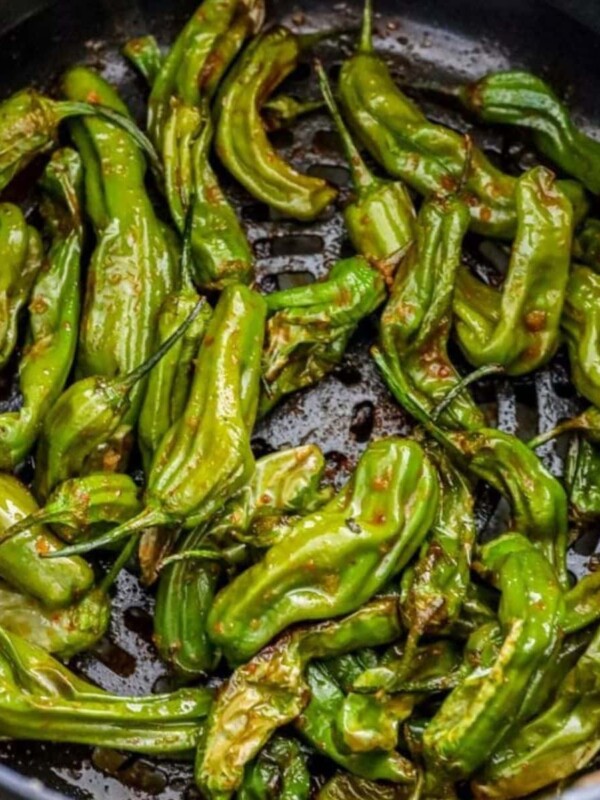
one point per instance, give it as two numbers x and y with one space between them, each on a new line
518 327
279 773
56 583
53 311
336 558
345 786
41 699
581 326
586 247
523 99
416 321
21 255
132 268
284 483
310 327
205 457
241 141
554 745
481 711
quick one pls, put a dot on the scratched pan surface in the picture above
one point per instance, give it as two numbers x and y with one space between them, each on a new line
426 41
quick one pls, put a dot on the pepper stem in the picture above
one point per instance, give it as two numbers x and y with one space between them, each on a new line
366 34
193 555
118 564
472 377
361 174
553 433
41 517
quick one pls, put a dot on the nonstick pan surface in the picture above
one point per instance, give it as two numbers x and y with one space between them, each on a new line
429 43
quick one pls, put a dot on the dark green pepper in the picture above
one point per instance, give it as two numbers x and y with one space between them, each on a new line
336 558
310 327
582 478
53 311
582 603
241 141
581 326
279 773
344 786
586 247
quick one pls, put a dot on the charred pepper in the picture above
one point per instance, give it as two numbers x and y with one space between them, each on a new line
581 327
279 773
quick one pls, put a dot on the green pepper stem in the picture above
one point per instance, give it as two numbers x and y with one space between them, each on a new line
120 561
193 555
41 517
366 34
472 377
361 174
553 433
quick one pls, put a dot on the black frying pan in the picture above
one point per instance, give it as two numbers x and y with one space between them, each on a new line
428 41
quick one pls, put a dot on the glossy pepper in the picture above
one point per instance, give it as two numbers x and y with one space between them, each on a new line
581 327
86 415
241 140
416 321
279 773
284 483
310 327
21 254
41 699
518 327
205 457
520 98
380 219
586 247
56 583
338 557
53 311
480 712
132 268
270 691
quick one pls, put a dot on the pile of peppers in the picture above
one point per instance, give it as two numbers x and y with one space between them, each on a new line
347 642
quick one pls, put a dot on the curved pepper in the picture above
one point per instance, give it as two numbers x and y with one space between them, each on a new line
241 141
336 558
41 699
479 713
279 773
64 632
144 53
554 745
311 325
380 219
21 255
581 326
416 321
132 268
518 327
523 99
53 312
56 583
284 483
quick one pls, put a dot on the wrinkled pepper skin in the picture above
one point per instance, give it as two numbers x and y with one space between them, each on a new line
480 712
518 327
556 744
586 247
53 311
63 633
338 557
279 773
56 583
416 321
284 483
41 699
270 690
310 327
581 327
345 786
520 98
582 478
241 139
132 268
21 255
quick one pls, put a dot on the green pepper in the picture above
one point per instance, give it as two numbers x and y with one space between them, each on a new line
481 711
41 699
582 603
21 253
132 268
283 110
344 786
284 483
310 327
586 247
279 773
518 327
556 744
271 690
582 477
56 583
144 53
53 312
241 141
336 558
415 323
523 99
380 219
63 632
580 323
86 415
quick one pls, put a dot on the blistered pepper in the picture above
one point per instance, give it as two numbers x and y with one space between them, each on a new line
581 326
279 773
241 140
310 327
53 311
345 786
338 557
586 246
518 326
